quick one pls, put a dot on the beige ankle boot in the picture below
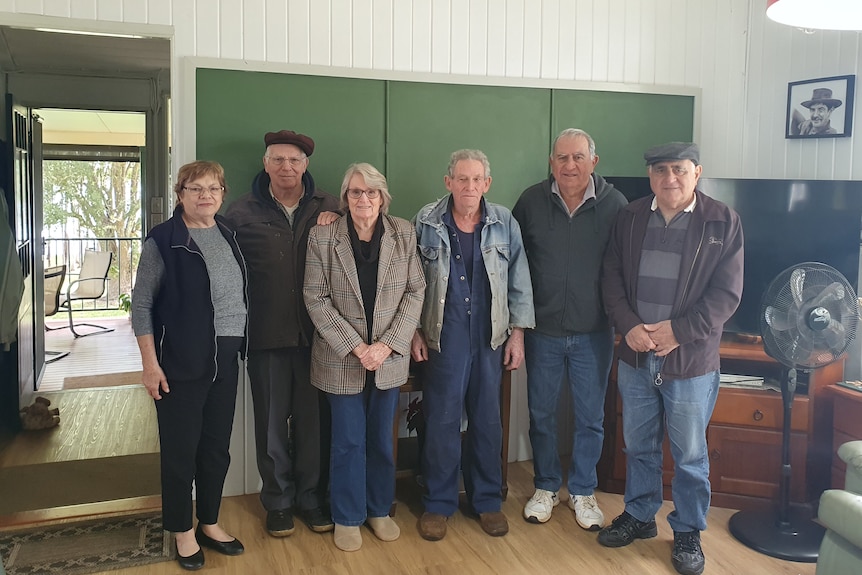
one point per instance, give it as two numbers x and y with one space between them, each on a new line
347 538
384 528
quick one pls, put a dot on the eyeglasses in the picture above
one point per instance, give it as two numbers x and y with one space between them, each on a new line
280 160
198 191
356 193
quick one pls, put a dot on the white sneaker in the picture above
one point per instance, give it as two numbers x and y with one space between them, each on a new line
540 506
587 512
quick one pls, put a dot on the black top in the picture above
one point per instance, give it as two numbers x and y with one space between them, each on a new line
366 254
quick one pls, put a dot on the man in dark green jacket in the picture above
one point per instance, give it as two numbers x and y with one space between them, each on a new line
566 222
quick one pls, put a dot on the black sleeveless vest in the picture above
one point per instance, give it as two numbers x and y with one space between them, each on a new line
183 314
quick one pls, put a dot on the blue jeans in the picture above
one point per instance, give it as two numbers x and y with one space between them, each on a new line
685 406
362 465
586 360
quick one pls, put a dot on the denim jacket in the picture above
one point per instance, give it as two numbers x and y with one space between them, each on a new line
505 263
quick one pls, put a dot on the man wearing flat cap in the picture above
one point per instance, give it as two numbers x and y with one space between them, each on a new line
820 108
272 224
672 276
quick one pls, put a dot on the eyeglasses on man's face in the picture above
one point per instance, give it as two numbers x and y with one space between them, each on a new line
281 160
356 193
198 190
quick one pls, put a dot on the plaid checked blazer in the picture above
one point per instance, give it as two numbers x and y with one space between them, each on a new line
334 302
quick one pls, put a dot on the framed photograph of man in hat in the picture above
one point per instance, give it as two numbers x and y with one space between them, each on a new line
820 108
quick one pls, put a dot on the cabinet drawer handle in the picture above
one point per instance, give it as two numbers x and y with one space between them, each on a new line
715 455
758 415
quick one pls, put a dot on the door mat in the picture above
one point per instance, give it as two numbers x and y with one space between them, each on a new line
89 546
104 380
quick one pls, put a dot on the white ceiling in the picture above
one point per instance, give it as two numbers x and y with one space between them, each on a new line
93 128
26 51
35 51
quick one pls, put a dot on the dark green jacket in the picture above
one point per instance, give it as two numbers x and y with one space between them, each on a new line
565 256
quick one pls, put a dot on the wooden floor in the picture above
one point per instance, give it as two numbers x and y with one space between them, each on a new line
105 433
104 451
94 423
558 546
112 352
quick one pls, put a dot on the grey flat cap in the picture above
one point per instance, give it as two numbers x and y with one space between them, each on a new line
673 151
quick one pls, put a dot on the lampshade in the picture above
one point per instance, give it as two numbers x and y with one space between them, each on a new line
817 14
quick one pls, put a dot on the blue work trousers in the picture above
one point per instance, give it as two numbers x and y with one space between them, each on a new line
452 383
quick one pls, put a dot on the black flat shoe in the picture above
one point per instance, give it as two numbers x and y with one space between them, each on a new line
192 562
224 547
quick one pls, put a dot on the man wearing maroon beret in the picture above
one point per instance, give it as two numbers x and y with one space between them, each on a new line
272 224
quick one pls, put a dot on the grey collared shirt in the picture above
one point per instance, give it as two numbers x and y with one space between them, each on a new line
590 192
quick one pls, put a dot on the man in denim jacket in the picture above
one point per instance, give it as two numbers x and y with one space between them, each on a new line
470 328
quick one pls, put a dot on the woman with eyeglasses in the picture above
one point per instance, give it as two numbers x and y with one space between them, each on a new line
189 317
364 290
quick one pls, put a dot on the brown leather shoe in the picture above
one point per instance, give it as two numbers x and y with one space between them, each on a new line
432 527
494 523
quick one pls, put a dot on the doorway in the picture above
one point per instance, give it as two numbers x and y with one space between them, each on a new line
92 187
50 74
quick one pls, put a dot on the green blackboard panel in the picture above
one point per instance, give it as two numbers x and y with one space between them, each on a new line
409 129
427 122
624 124
344 116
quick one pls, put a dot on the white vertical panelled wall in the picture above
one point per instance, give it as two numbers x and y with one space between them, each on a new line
641 43
778 55
740 62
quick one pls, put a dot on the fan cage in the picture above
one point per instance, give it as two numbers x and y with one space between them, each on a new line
789 301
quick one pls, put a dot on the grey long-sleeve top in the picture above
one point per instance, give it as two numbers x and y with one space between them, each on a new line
225 283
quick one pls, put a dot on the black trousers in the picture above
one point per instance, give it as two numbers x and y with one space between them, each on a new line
195 422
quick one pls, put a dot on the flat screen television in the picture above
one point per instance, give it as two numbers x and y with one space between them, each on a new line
785 222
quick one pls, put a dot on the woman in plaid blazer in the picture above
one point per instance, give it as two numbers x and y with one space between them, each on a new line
364 290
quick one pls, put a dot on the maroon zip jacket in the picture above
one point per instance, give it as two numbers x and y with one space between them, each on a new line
708 293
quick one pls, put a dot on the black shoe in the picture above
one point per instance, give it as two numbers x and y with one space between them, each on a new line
224 547
279 522
317 520
192 562
687 555
626 529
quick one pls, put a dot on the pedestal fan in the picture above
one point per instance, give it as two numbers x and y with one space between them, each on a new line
808 317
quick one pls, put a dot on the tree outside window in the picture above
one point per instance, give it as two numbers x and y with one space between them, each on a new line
95 200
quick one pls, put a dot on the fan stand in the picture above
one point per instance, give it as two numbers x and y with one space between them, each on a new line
788 533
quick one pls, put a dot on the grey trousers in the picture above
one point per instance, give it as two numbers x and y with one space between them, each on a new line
281 390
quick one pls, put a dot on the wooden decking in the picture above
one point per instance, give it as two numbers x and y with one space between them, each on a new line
104 454
112 352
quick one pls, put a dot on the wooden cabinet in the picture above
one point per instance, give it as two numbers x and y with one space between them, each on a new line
744 435
846 426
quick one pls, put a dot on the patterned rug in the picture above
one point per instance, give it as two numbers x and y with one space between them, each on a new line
87 546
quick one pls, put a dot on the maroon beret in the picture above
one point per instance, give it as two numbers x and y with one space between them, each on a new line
301 141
